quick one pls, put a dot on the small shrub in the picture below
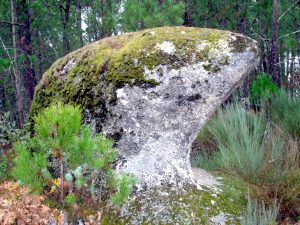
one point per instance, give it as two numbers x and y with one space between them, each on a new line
77 159
259 153
259 214
239 136
262 87
285 111
9 133
4 168
204 160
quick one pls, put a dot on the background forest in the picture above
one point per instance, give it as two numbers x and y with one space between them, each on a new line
256 148
34 33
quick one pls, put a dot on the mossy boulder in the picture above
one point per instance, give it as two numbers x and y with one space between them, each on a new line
91 75
152 91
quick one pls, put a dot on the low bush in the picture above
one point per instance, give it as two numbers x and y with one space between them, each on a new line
65 161
260 214
9 133
285 111
258 152
262 87
5 166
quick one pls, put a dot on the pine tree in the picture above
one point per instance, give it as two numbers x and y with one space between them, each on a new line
141 14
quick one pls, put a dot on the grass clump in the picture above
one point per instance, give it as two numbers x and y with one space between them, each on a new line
285 111
255 149
259 214
65 161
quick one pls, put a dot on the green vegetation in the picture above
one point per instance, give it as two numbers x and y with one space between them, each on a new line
258 214
263 153
75 158
285 111
146 14
262 87
4 168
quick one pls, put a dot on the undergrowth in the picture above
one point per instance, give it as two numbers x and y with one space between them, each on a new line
259 214
261 150
70 165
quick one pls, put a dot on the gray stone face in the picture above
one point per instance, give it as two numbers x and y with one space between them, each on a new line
159 124
152 91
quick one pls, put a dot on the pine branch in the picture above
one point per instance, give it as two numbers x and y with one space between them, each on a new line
286 35
292 6
9 23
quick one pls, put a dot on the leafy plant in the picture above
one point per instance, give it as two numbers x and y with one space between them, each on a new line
8 132
262 87
4 167
74 155
125 185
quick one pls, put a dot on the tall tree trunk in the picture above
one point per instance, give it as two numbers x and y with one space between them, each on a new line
39 56
64 17
25 45
274 67
241 21
16 69
209 5
79 21
187 14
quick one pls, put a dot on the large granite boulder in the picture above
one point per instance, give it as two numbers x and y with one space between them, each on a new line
151 91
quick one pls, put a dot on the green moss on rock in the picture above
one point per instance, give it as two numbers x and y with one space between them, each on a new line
187 206
91 75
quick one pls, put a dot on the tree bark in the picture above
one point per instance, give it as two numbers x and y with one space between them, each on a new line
64 17
206 19
274 67
79 21
25 44
16 69
39 56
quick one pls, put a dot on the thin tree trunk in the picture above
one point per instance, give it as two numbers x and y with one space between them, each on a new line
64 17
79 21
39 56
25 45
274 67
292 74
207 12
16 69
187 17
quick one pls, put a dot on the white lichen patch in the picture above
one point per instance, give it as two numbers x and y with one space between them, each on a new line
202 46
167 47
68 67
121 93
135 62
219 219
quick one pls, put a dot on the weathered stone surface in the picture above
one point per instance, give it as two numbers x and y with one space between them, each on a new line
184 206
152 91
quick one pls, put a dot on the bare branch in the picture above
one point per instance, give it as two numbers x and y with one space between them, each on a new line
259 36
9 23
292 6
286 35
